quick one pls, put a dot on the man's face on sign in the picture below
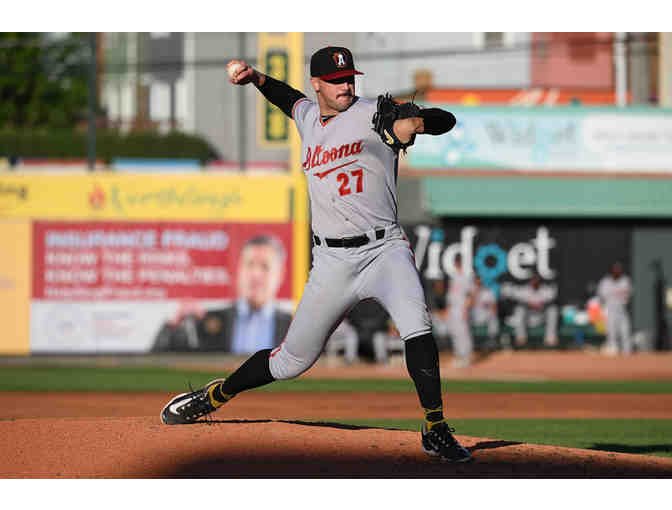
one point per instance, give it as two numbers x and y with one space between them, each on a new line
337 95
260 272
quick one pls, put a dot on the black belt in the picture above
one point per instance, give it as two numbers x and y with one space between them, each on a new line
349 242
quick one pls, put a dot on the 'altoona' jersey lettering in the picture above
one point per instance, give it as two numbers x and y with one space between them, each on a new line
353 182
317 156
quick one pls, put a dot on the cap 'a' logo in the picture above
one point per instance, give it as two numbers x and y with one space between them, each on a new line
339 60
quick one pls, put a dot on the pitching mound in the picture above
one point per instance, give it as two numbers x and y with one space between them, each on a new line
141 447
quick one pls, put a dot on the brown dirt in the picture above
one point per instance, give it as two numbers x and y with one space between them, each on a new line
340 406
142 448
296 435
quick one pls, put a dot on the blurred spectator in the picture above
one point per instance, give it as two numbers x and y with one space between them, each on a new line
459 301
484 311
614 290
536 307
344 337
252 322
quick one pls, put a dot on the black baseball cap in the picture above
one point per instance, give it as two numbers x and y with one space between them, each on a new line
331 63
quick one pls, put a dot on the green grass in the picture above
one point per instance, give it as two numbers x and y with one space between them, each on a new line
639 436
77 378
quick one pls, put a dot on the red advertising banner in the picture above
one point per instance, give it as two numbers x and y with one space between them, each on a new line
108 261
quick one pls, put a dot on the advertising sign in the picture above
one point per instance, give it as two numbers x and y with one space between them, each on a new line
145 197
559 139
570 255
112 286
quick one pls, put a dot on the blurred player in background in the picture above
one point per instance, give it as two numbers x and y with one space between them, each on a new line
459 301
536 307
484 311
615 290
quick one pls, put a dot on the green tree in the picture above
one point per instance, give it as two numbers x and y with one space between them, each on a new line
43 79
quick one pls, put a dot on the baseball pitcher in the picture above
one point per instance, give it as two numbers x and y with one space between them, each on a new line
350 150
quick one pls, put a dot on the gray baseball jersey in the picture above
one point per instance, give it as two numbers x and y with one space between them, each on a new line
352 175
352 189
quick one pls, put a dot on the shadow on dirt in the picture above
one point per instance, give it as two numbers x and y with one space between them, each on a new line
628 448
483 445
333 425
489 445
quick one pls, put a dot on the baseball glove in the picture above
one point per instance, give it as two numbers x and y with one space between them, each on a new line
388 111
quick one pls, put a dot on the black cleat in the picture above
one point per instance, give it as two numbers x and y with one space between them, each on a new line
440 442
189 407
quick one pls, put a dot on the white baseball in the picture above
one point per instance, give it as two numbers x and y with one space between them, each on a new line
233 69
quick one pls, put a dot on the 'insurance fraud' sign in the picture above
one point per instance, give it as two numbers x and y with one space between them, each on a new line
111 286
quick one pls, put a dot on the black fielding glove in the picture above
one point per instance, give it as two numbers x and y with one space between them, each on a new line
387 112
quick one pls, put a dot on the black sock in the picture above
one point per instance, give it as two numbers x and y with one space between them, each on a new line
253 373
422 361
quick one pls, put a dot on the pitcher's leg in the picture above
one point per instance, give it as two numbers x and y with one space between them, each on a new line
325 301
394 282
311 326
322 299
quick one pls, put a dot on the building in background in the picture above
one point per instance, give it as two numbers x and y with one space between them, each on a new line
164 80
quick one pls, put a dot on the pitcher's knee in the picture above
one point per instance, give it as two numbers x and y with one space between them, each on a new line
284 365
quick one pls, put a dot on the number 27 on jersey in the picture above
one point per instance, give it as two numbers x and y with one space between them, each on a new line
350 182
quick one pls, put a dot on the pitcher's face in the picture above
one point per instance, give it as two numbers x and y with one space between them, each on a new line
337 95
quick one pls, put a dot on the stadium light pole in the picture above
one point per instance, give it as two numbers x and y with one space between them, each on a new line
91 139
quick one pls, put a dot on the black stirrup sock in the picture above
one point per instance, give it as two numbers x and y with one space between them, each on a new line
422 361
253 373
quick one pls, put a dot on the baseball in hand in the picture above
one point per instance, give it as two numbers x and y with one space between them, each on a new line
233 69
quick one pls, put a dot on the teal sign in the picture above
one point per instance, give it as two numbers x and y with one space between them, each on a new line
543 138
